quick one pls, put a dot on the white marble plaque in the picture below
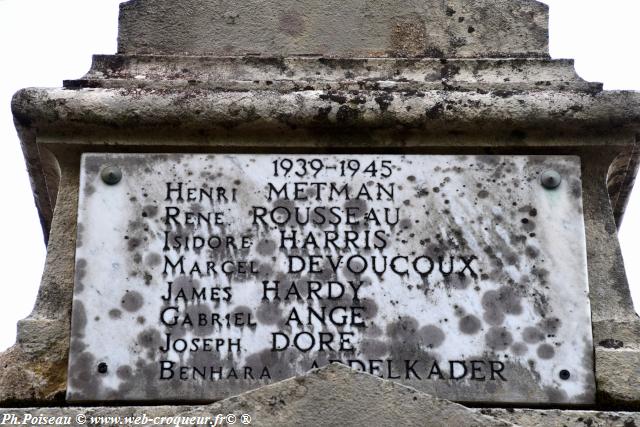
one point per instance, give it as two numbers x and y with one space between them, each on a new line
200 276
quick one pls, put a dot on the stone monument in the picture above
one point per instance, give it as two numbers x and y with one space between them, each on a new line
330 212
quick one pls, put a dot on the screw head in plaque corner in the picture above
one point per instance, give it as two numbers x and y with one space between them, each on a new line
111 175
565 374
103 368
550 179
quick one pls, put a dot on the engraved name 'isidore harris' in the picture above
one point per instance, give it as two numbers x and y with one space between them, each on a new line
202 276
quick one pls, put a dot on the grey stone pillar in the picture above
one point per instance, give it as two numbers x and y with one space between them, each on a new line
361 76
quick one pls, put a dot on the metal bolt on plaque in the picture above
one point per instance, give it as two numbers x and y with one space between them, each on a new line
111 175
550 179
565 374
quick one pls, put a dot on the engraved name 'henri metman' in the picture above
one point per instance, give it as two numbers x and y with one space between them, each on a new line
203 276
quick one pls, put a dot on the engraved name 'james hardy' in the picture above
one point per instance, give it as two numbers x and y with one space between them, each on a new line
244 269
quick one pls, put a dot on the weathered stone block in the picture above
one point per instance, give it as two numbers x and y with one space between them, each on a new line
362 28
618 375
353 77
332 396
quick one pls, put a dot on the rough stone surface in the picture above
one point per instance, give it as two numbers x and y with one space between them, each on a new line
616 327
565 418
186 103
40 166
357 28
126 117
621 179
34 368
300 98
331 74
338 396
334 395
433 111
618 373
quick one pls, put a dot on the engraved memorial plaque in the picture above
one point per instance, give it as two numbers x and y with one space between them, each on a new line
200 276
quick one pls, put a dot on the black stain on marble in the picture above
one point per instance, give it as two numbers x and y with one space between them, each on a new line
124 372
131 301
79 319
469 325
550 325
152 259
519 349
402 329
499 303
431 336
545 351
150 211
270 313
80 273
266 247
532 335
498 338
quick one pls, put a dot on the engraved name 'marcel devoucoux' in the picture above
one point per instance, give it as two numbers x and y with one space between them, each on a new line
202 276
